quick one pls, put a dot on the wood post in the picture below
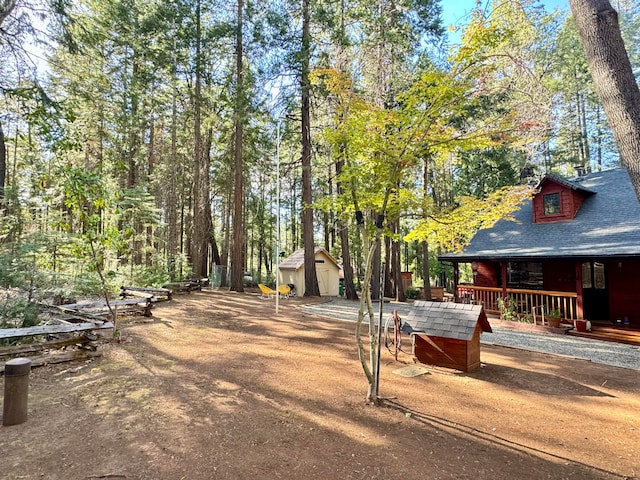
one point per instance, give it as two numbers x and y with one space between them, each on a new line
579 292
16 391
503 273
456 280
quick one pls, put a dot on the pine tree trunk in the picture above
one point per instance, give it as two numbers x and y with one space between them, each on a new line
133 143
226 241
294 219
208 216
426 274
3 163
326 226
172 207
237 258
387 272
311 288
397 266
375 277
151 160
584 134
349 287
199 239
609 64
327 217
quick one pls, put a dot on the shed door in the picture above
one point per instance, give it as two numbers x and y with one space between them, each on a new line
323 280
595 290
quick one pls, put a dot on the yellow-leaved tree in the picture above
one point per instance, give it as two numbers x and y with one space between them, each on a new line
381 151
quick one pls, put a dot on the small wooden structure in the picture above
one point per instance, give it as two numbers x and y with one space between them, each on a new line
447 334
327 272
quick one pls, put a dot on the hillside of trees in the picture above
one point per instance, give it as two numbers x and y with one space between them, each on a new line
142 142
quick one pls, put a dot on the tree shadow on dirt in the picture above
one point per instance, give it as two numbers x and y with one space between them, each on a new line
498 442
536 382
216 388
224 391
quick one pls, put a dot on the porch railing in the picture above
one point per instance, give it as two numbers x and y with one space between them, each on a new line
526 301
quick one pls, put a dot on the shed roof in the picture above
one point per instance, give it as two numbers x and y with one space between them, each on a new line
296 259
607 225
446 319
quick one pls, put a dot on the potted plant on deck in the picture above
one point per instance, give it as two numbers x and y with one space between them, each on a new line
553 317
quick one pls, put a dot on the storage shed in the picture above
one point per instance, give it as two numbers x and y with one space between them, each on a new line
447 334
327 271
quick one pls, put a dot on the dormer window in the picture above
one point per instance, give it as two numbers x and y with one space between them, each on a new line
552 203
558 200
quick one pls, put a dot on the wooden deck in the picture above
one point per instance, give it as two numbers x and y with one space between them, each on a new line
604 332
611 334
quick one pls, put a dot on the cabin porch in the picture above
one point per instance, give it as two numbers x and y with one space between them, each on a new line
535 305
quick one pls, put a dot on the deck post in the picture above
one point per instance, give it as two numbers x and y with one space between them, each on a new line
503 273
456 280
580 296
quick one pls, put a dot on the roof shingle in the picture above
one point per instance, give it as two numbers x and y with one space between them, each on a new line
607 225
446 319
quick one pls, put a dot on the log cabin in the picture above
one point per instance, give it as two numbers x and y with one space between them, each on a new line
574 247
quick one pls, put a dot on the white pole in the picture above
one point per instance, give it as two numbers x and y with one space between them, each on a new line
277 217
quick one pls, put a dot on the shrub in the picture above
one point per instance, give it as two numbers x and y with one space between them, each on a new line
412 292
16 311
509 311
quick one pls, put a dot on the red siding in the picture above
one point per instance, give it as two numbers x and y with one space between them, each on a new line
487 274
570 201
559 276
448 352
624 292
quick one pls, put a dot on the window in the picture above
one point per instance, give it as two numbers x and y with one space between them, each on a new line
524 275
551 203
594 276
598 276
586 276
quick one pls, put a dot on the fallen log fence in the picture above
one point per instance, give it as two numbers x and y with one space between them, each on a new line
83 335
155 294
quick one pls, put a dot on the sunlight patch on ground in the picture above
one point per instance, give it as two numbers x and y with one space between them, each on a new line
411 371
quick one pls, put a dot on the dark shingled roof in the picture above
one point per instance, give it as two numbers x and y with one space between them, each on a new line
573 185
446 319
607 225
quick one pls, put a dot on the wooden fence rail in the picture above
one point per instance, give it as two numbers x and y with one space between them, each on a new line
526 301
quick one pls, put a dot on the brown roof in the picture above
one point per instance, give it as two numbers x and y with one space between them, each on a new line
296 259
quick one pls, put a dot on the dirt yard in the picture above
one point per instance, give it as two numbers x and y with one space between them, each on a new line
215 386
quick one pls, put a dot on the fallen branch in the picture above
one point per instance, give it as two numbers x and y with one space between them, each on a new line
60 358
14 350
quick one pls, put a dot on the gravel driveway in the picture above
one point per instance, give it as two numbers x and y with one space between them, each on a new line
607 353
